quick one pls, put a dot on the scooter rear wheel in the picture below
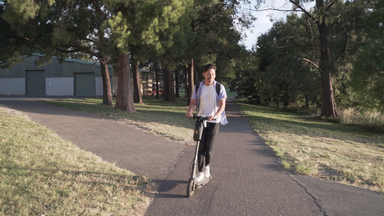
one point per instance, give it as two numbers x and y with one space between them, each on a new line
190 189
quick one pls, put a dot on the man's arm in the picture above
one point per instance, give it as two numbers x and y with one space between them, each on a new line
191 107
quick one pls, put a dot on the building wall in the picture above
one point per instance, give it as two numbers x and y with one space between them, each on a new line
54 68
69 68
12 86
99 86
59 86
59 76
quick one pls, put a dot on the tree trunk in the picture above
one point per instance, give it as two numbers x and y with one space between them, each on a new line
169 92
186 84
177 84
328 107
124 98
157 83
328 100
107 93
190 81
136 84
165 81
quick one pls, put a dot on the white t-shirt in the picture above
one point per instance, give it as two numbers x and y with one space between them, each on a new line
208 105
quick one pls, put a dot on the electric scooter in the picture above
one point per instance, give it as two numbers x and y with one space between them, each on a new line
200 124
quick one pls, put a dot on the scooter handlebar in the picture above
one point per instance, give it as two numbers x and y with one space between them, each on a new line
200 117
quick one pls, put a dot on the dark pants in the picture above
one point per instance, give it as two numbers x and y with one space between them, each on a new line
206 144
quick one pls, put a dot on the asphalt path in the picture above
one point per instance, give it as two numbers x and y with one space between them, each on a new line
129 148
247 177
248 180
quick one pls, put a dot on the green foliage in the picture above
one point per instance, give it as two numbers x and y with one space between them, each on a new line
12 47
217 26
246 80
118 24
289 59
284 75
174 41
368 71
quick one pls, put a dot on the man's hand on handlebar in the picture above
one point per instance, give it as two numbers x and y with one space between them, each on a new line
189 115
211 118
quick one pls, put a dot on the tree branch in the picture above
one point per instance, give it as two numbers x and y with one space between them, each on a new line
281 47
216 10
54 47
329 6
81 49
313 63
98 9
305 11
274 9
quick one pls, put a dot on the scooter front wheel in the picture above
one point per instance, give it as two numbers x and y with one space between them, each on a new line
191 187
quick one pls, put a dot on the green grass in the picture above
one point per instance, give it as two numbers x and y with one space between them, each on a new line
42 174
319 148
230 94
156 116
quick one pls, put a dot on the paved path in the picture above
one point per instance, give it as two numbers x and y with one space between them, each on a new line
131 149
247 179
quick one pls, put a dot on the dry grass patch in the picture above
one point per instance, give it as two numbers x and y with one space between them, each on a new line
371 120
41 174
322 149
159 117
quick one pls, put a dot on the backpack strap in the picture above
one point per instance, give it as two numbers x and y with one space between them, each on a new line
197 87
217 88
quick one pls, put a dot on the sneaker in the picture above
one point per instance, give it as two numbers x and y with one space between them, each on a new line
207 172
199 176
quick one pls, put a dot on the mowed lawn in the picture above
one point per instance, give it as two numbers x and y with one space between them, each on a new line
319 148
42 174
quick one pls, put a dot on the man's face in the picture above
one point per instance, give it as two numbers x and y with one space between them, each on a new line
209 76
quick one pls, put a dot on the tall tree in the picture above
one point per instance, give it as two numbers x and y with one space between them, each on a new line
157 81
169 92
124 98
177 86
190 82
286 77
217 26
327 17
118 23
136 83
144 23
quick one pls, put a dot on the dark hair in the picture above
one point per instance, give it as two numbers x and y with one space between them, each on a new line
209 66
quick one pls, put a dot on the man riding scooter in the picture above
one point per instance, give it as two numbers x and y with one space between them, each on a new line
209 98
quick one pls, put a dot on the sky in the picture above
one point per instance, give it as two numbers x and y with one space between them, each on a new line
263 22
